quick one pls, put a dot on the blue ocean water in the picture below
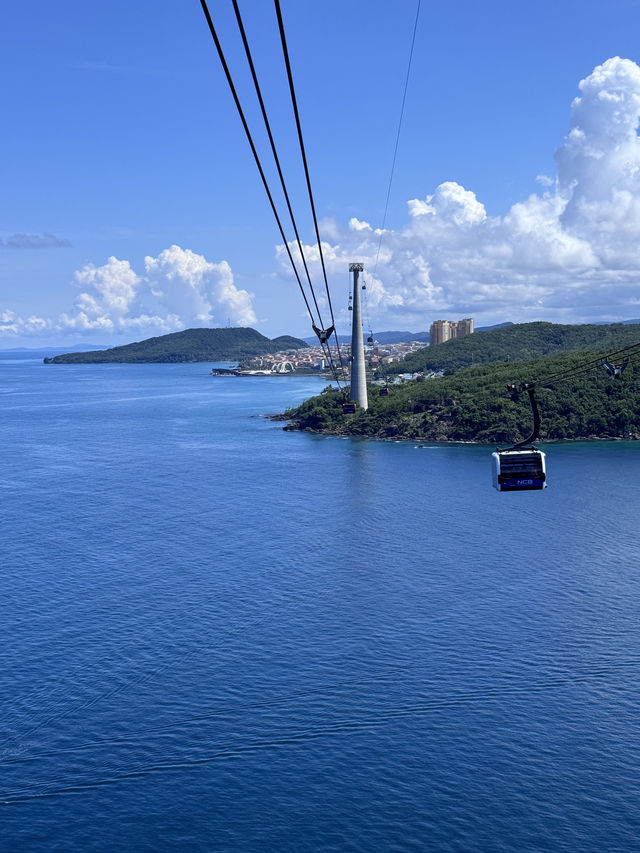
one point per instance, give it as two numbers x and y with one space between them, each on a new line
218 636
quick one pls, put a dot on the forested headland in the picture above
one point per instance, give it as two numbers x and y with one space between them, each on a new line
227 344
515 343
471 401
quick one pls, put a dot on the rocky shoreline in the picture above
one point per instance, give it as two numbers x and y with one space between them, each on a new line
345 432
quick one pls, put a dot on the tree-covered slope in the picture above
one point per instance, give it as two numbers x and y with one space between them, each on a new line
474 405
285 342
515 343
229 344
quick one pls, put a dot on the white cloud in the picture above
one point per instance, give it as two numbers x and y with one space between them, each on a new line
569 253
452 204
599 164
112 289
12 324
179 289
357 225
187 283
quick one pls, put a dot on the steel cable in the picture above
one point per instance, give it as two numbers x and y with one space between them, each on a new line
294 102
325 348
568 373
236 99
395 150
274 151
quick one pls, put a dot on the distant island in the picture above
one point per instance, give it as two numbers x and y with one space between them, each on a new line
469 401
228 344
75 348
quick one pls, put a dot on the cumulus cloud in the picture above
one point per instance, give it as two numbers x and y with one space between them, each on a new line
179 289
187 283
33 241
450 203
571 252
12 324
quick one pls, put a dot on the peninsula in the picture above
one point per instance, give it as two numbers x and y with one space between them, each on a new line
227 344
469 400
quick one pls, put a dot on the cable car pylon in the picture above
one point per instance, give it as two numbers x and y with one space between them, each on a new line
358 391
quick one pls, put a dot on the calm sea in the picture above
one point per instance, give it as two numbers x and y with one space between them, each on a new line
218 636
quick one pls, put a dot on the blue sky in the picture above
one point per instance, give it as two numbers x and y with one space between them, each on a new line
121 141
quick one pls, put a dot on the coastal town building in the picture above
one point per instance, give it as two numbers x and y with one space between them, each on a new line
445 330
313 359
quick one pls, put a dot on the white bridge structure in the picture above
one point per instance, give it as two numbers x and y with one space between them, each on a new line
283 367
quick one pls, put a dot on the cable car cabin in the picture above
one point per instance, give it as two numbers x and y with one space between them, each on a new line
383 392
519 470
349 408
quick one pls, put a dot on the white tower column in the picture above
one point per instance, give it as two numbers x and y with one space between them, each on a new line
358 371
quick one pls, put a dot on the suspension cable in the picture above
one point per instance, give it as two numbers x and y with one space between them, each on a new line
319 332
584 367
236 99
294 102
326 349
633 352
395 150
273 146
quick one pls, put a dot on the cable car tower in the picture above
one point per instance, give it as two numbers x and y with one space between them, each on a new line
358 393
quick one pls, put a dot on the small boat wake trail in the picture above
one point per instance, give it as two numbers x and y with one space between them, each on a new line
365 721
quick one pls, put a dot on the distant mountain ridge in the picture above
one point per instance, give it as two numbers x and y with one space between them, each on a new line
74 348
400 337
495 326
380 337
228 344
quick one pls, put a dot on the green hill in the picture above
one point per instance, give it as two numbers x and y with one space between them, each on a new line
473 404
230 344
514 343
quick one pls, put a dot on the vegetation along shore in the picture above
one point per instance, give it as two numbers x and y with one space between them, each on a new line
471 402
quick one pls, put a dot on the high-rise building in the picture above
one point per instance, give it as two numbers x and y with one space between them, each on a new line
440 331
464 327
444 330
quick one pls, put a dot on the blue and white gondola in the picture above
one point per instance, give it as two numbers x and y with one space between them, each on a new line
519 469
